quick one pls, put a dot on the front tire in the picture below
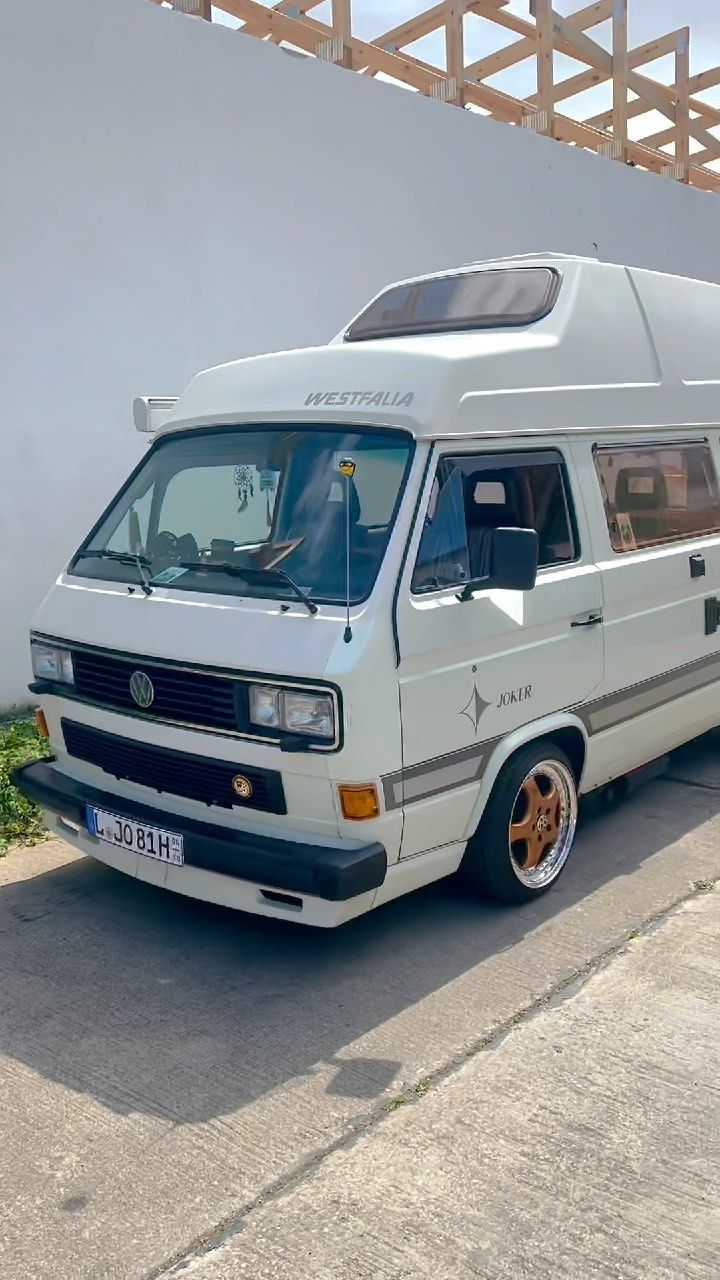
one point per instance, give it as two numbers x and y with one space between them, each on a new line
527 831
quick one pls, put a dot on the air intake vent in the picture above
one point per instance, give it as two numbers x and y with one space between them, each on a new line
213 782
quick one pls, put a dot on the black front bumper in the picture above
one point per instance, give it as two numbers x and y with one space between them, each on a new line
335 873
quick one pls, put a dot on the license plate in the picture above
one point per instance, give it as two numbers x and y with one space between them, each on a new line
151 842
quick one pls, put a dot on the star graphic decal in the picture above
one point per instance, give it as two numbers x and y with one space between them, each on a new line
474 708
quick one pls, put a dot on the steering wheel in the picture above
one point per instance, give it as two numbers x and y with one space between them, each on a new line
163 546
167 546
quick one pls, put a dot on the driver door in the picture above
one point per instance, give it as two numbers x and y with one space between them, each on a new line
473 672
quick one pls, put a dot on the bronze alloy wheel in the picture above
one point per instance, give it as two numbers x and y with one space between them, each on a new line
542 823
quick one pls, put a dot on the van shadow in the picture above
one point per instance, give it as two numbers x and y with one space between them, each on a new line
153 1003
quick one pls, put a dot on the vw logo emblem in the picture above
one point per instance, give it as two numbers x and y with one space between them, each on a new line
141 689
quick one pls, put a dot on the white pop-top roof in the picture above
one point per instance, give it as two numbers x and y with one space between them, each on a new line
621 347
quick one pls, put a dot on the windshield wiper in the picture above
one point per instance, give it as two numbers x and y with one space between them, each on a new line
253 575
141 563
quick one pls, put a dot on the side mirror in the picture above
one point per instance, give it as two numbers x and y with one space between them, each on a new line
514 559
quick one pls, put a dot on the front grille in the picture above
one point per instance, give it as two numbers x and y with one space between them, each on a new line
189 697
174 772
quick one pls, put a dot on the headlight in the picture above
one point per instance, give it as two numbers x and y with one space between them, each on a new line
51 662
265 706
309 714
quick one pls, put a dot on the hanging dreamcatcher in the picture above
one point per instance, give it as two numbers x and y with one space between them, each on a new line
245 486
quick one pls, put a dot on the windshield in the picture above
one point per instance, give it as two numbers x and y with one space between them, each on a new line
205 505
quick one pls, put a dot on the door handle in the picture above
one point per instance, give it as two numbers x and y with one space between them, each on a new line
593 620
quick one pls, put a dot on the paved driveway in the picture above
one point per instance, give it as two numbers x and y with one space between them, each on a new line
164 1065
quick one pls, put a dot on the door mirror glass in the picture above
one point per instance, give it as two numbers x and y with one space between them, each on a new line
509 563
514 562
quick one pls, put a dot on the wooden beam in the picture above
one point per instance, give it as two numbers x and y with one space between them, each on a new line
511 54
705 179
705 80
583 135
696 83
682 111
661 139
657 48
423 24
563 29
502 106
455 52
292 7
660 97
342 31
588 79
541 10
486 9
620 79
705 157
414 29
307 35
401 66
695 128
666 136
708 113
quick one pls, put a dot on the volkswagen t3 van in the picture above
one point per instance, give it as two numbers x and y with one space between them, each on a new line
368 614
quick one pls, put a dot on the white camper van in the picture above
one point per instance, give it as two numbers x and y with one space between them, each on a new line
371 613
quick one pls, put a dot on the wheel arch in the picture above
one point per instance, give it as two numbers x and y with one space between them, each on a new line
567 731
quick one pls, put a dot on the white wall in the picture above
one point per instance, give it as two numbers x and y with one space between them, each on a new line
175 195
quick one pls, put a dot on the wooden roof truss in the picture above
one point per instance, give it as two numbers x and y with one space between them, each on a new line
693 147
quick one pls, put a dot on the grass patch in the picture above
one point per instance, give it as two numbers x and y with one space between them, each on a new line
395 1103
20 821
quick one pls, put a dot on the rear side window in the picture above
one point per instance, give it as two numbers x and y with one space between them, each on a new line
473 495
486 299
658 493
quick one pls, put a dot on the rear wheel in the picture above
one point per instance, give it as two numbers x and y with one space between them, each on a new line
528 828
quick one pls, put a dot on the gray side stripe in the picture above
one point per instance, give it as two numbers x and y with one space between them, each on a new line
441 774
618 707
458 768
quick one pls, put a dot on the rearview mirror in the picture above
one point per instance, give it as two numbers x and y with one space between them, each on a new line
514 559
513 563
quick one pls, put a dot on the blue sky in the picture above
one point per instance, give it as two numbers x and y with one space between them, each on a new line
647 19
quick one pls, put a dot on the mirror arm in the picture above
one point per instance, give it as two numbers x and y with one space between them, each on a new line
473 585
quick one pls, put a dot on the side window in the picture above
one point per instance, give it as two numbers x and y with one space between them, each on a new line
472 496
658 494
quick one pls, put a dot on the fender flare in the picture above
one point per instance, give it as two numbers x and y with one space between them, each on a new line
510 744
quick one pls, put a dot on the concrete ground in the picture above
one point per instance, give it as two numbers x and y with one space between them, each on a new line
179 1084
585 1142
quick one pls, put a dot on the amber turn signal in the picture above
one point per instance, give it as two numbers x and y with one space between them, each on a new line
359 803
41 724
